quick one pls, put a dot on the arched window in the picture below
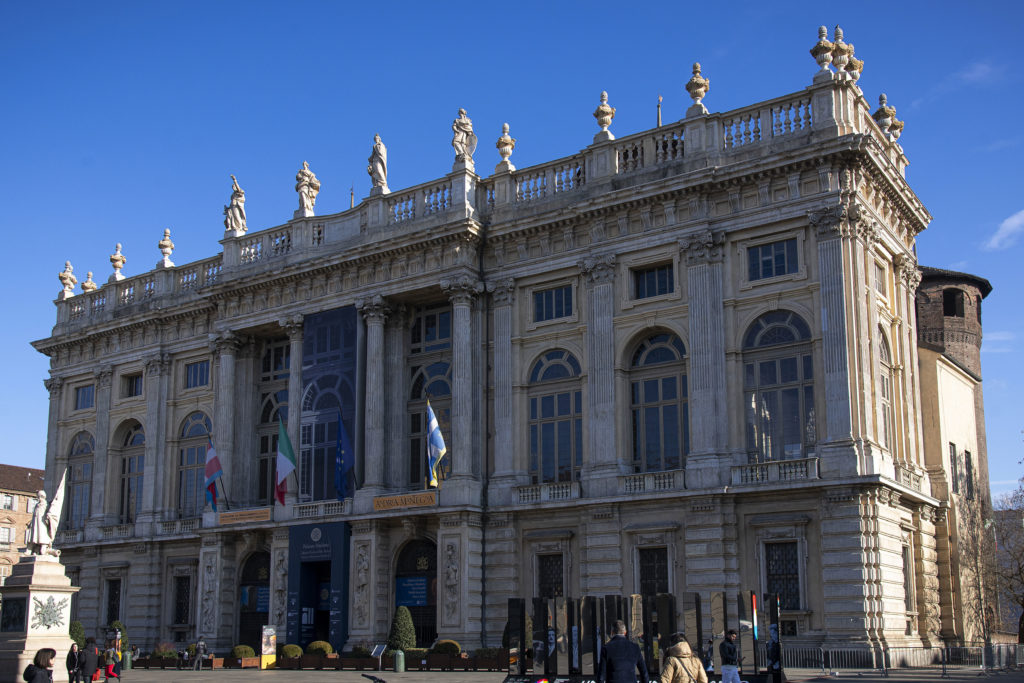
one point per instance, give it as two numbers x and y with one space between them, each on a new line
79 479
273 407
133 460
778 384
556 418
433 381
885 385
658 400
195 437
326 398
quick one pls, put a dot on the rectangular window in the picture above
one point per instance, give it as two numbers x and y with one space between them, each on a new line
84 397
954 469
197 374
771 260
113 600
968 476
131 385
655 281
908 579
550 304
431 330
5 535
653 571
549 576
7 501
5 571
182 599
881 286
782 573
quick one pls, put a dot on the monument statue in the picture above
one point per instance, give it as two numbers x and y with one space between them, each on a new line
234 213
308 187
463 140
42 528
378 166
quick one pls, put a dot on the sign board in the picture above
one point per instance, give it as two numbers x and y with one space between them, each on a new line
378 650
269 641
411 591
245 516
405 500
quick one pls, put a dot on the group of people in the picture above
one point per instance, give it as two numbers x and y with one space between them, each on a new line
622 661
83 664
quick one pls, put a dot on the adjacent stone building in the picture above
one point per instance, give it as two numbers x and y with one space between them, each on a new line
19 487
683 359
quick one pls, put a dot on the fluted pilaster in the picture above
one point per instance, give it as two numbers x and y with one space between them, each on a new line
599 276
102 473
503 296
375 312
294 327
462 292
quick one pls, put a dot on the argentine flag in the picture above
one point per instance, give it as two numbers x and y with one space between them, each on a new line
435 445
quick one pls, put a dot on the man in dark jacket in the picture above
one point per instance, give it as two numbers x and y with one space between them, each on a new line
621 660
90 658
730 661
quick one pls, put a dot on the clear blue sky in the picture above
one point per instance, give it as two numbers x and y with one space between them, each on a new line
118 120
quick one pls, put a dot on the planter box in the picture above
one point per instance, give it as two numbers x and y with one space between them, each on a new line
214 663
439 663
490 663
416 664
140 663
358 663
288 662
163 663
465 663
311 662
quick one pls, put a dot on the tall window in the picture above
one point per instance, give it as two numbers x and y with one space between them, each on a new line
771 260
5 536
84 397
197 374
322 404
182 600
908 578
782 572
195 435
274 407
658 397
885 385
778 381
556 418
276 360
653 570
954 468
953 303
79 479
133 456
654 281
550 579
430 376
968 476
113 600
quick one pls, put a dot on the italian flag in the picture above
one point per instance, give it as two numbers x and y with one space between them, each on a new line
285 461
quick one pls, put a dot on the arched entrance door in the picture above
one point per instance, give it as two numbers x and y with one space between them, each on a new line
416 588
254 600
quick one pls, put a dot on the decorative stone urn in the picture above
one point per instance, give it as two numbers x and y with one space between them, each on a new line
604 115
89 285
841 52
505 144
698 87
822 50
166 247
68 281
117 260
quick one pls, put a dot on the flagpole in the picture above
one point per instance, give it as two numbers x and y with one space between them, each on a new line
227 502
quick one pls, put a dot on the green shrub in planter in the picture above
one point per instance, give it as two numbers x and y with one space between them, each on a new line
414 654
446 647
165 651
403 634
488 652
289 651
360 651
319 647
77 633
239 651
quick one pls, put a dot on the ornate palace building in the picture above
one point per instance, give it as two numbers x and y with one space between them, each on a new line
682 359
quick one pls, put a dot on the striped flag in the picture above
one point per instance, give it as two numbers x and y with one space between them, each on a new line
213 473
285 461
435 445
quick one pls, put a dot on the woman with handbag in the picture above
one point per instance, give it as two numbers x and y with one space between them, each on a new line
75 662
681 665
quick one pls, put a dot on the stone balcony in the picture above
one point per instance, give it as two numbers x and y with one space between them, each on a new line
774 472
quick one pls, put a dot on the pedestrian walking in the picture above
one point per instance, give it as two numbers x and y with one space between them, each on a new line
40 670
621 660
75 661
90 660
730 660
200 654
681 665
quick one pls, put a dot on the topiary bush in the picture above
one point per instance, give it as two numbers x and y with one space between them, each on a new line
360 651
415 654
319 647
403 633
289 651
77 633
446 647
239 651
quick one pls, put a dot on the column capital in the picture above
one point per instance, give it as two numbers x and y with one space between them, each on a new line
503 291
54 385
293 325
103 375
906 267
374 310
705 246
462 290
158 364
225 341
598 269
835 221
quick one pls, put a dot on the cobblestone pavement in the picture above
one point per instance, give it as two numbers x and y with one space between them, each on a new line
270 676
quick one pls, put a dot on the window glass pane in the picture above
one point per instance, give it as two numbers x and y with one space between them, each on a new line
564 407
768 373
768 426
670 422
787 370
651 390
790 418
668 389
782 573
652 436
808 367
547 406
791 264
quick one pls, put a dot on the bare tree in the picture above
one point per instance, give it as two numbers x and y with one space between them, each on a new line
1008 525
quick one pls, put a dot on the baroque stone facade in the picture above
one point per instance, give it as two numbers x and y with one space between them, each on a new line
682 359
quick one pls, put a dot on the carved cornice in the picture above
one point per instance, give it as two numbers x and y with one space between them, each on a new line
462 290
375 310
598 270
703 247
503 291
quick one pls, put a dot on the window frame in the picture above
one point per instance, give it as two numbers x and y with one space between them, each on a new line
573 315
887 383
186 473
133 385
784 528
745 283
187 365
655 269
640 374
79 392
539 389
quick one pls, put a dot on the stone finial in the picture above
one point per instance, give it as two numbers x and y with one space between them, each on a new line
885 117
166 247
604 115
698 87
841 52
117 260
822 50
234 212
89 285
68 281
308 187
505 144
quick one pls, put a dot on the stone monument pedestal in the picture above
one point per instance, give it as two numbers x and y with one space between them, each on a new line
36 613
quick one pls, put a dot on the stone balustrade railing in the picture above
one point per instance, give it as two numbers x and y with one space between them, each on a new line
323 508
542 493
117 531
180 526
822 110
69 536
651 482
775 471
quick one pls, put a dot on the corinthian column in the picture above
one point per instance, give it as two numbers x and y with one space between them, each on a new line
602 457
505 466
226 346
104 510
462 292
375 312
55 462
396 452
293 326
155 469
